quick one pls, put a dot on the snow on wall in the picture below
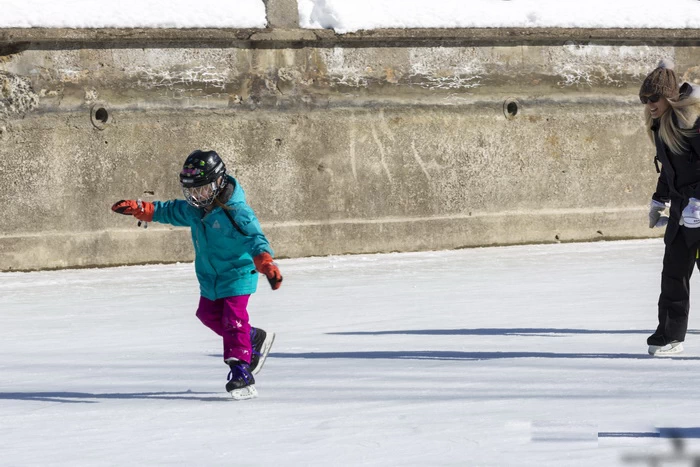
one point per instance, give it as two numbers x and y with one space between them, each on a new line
454 68
352 15
133 14
349 16
592 65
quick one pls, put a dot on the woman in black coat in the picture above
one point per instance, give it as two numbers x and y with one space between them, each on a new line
672 119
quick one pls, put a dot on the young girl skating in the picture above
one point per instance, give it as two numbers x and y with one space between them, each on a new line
230 248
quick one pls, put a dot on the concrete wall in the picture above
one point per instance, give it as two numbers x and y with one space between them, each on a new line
371 142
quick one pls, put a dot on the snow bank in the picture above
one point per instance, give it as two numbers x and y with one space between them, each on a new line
348 16
133 14
352 15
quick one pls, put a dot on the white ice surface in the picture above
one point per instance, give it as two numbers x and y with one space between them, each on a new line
515 356
348 16
132 14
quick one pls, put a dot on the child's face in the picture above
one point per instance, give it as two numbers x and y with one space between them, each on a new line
202 194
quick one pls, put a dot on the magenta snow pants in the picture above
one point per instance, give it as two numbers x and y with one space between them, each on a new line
228 317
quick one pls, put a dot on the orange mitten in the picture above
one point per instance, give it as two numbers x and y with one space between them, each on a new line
265 265
142 210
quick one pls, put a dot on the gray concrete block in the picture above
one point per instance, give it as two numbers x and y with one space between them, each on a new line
282 14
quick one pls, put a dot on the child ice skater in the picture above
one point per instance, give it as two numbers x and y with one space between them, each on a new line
672 114
229 248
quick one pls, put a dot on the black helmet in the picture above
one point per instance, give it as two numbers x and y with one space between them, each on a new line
202 178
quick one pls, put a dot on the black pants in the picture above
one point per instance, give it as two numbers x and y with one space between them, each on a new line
674 301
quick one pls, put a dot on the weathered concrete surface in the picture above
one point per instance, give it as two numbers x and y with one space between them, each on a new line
341 149
282 13
324 37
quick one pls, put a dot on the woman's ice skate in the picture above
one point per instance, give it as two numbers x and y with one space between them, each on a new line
668 350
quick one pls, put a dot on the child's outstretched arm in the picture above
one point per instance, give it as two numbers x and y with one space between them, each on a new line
175 212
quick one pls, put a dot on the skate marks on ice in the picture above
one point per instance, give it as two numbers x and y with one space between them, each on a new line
91 398
459 355
503 332
536 332
477 355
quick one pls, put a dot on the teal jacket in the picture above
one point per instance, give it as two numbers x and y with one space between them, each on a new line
223 252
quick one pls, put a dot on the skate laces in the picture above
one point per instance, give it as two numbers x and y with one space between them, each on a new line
253 334
239 371
256 342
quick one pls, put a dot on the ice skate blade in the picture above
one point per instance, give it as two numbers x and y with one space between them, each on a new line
264 350
668 350
242 394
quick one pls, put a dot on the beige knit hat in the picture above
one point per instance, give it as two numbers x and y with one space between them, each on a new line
661 81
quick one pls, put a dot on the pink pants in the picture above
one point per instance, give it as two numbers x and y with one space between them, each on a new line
228 317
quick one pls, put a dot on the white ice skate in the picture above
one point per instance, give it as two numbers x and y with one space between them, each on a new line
241 394
668 350
241 383
261 343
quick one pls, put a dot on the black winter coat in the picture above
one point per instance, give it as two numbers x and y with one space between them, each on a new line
679 180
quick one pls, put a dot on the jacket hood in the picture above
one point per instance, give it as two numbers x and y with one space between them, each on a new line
231 194
691 112
237 194
689 91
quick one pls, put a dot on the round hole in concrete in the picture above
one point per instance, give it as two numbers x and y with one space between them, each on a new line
100 116
103 116
511 107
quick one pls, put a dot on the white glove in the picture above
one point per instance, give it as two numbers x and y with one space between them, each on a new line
691 214
655 217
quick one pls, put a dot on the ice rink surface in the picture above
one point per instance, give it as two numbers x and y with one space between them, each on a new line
511 356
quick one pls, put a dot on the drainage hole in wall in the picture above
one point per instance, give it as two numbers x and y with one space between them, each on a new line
101 115
511 107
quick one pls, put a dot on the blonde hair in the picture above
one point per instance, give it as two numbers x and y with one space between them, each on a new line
674 135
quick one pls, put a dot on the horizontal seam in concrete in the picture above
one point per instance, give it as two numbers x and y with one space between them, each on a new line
323 37
383 220
534 106
398 220
61 233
